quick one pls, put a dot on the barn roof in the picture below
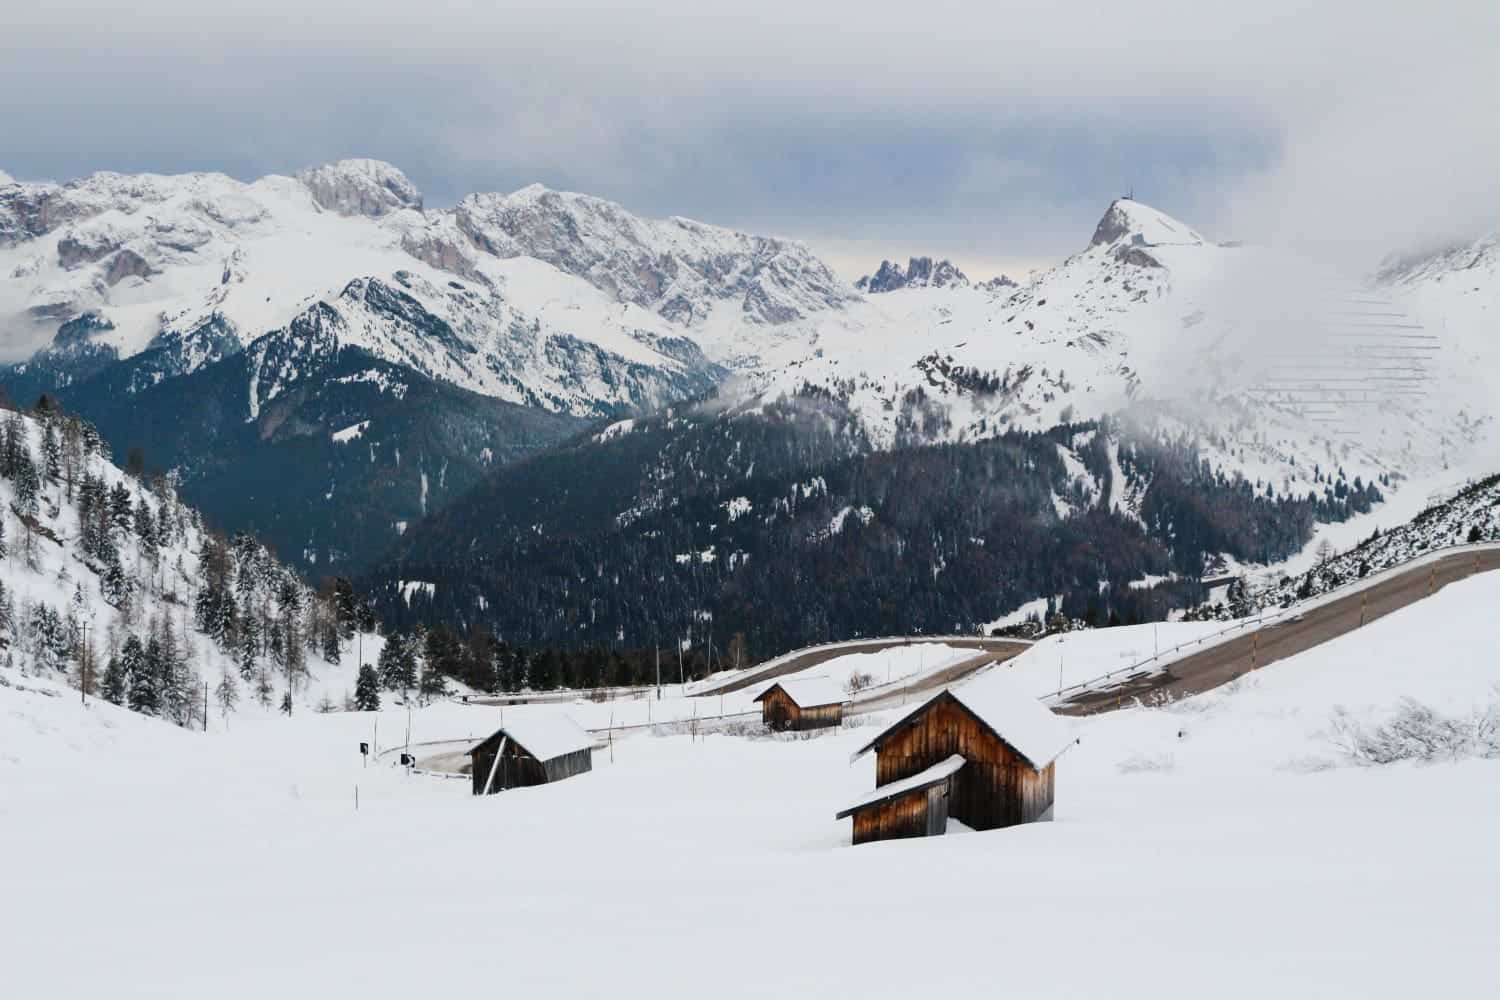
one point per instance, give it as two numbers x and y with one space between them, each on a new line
939 772
808 692
1010 711
543 734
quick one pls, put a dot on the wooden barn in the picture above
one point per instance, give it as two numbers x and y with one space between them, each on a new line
983 755
532 748
802 703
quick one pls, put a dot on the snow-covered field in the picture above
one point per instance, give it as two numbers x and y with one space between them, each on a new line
1220 847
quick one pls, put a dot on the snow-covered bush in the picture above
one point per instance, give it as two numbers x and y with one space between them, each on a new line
1420 732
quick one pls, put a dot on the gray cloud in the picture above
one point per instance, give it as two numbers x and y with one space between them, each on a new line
988 132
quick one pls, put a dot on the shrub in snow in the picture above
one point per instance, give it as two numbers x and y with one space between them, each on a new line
1145 763
1419 732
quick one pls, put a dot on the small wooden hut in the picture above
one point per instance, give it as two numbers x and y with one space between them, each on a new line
1007 743
802 703
532 748
912 807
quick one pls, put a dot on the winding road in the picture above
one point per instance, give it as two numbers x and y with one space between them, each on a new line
1002 648
1284 637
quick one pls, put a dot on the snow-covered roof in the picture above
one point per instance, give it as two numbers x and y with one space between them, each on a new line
1010 711
544 734
808 692
934 774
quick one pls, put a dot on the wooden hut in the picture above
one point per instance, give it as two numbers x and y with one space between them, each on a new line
1007 742
802 703
912 807
532 748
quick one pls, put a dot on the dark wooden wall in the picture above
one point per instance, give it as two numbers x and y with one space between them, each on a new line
908 815
995 788
778 711
821 717
519 769
570 764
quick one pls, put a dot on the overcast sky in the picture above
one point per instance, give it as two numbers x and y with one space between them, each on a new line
994 133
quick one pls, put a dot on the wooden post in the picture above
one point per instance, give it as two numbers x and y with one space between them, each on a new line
356 798
1254 647
1431 579
496 763
1364 601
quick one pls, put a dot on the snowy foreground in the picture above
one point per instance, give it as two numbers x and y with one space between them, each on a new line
1220 847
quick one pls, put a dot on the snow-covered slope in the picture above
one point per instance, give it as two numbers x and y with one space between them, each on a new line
1231 829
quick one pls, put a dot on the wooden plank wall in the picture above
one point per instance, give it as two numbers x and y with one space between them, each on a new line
778 711
570 764
821 717
995 788
901 817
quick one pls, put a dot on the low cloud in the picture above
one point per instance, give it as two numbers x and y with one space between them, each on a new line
980 132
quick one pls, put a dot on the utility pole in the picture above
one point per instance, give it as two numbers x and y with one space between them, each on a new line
681 677
205 706
83 668
1060 666
658 671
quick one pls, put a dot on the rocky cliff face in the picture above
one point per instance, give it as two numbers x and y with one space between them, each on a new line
920 272
361 187
676 267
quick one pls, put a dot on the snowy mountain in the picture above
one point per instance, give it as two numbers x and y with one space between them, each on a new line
208 320
920 272
173 310
547 297
1277 368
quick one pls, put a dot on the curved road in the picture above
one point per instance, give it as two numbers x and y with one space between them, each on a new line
1005 648
1277 640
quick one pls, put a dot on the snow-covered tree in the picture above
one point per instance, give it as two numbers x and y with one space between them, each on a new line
367 690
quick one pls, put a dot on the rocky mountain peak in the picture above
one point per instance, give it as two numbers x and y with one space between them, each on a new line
360 187
1132 223
6 178
920 272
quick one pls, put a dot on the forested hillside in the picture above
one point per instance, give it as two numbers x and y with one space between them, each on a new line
785 526
109 580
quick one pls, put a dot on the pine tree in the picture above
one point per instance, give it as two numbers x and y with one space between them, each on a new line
398 663
140 673
12 440
249 646
227 693
7 612
28 483
121 510
263 688
367 690
331 642
434 685
145 528
114 585
51 451
115 689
